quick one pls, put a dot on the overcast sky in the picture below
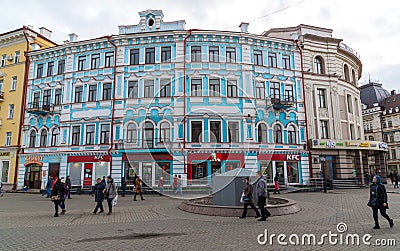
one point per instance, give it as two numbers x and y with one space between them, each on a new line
370 27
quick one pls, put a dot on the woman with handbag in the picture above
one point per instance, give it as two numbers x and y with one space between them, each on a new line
378 201
138 188
111 193
248 199
57 196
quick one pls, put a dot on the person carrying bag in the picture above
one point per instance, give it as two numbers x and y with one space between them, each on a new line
378 201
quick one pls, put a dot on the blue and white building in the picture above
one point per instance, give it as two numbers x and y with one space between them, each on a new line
163 101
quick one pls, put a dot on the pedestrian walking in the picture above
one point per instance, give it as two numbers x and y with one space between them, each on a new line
396 180
123 186
111 193
378 201
54 182
98 191
69 186
367 178
1 189
276 185
262 195
138 188
391 176
161 184
248 199
175 184
104 181
62 202
179 186
57 194
48 186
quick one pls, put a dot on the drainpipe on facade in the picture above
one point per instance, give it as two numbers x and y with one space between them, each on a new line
305 108
22 111
113 101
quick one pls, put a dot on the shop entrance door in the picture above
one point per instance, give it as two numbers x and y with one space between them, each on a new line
54 170
87 174
33 176
147 173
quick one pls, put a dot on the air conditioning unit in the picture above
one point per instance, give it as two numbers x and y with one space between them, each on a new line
10 58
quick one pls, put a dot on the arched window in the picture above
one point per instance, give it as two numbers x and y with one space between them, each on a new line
148 135
319 65
262 133
32 139
165 135
346 73
353 73
43 138
371 138
292 139
131 133
278 133
54 136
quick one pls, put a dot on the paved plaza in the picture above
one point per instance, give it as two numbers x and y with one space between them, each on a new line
27 223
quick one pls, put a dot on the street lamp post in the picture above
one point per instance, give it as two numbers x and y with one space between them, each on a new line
322 159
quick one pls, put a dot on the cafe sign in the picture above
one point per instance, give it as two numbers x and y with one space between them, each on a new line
347 144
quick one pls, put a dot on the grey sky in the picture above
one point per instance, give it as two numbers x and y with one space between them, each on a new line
370 27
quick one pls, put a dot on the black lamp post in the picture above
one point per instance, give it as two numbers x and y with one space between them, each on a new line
322 159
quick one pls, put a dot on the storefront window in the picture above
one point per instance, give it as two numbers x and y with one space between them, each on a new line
199 170
279 171
231 165
163 169
75 170
215 167
147 173
4 171
130 169
293 172
266 170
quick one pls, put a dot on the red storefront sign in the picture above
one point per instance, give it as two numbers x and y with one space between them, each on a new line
279 157
89 158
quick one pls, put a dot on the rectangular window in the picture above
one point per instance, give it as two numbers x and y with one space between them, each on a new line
260 90
197 130
166 54
133 91
231 90
92 93
391 138
105 134
81 63
149 89
17 55
356 106
213 54
165 88
61 67
3 60
134 56
286 62
39 71
389 123
95 62
275 92
76 133
196 88
272 61
109 59
214 88
233 131
289 96
13 83
150 55
50 67
196 53
230 55
8 139
352 132
5 171
324 129
58 96
10 111
349 104
90 134
36 99
107 91
258 60
321 98
215 131
393 153
78 94
46 97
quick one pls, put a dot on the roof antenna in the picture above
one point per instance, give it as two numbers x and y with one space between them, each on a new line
369 78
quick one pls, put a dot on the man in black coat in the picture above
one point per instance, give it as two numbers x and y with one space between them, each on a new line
98 191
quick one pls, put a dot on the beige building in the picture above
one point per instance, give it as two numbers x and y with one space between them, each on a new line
334 119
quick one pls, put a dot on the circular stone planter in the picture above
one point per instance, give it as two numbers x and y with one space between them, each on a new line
276 206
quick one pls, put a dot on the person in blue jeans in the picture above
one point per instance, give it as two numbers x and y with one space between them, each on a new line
48 186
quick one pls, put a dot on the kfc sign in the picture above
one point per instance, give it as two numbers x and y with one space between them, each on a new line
293 157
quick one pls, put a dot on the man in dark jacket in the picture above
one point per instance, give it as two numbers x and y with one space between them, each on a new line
69 186
98 191
59 192
378 201
262 195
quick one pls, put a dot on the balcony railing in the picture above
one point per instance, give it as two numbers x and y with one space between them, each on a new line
1 96
40 108
283 103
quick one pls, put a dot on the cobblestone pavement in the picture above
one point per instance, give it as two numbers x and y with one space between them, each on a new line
26 223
